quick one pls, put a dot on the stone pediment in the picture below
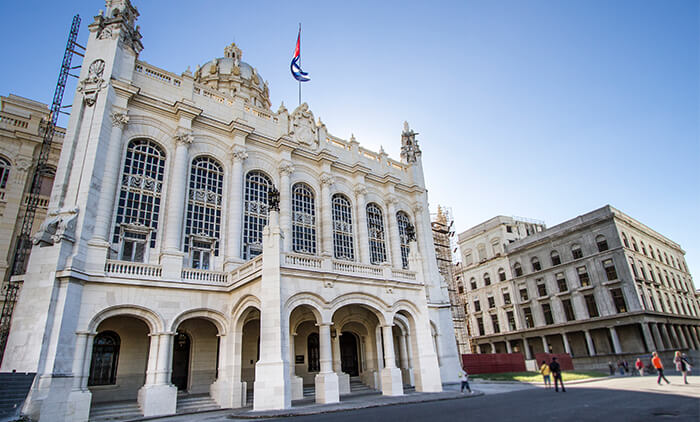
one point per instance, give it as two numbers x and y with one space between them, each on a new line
302 127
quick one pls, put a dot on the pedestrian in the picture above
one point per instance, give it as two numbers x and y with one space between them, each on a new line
626 365
640 367
464 378
656 361
682 365
556 373
611 368
620 367
545 371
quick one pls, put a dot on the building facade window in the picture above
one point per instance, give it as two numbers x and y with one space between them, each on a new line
303 219
556 260
624 240
501 274
517 269
618 300
634 244
487 279
477 305
602 243
472 283
591 306
535 264
480 326
203 218
523 294
255 212
576 252
644 249
403 222
583 278
568 309
342 228
492 302
511 320
313 352
610 271
527 316
651 300
561 282
541 288
506 297
138 205
4 172
375 230
547 313
494 324
105 356
460 288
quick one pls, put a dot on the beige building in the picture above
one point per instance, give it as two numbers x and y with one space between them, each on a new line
199 244
597 286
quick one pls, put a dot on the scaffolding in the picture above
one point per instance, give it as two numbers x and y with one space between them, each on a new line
24 242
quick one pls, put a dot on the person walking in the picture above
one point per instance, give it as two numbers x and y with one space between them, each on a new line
656 361
640 367
545 371
682 365
556 373
611 368
464 378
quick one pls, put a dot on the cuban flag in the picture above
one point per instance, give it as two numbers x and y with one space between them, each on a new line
298 74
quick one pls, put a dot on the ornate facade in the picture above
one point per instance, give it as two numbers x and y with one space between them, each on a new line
198 241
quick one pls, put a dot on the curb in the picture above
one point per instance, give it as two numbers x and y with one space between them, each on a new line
583 381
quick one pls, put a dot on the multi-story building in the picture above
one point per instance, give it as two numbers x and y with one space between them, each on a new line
197 241
443 232
600 284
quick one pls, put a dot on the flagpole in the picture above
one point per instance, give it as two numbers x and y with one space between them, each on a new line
299 61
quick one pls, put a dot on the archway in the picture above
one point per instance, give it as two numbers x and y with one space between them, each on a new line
349 354
181 361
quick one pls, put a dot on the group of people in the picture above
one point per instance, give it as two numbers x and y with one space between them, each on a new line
680 360
553 369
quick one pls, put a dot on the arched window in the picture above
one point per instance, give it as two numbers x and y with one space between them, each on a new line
105 356
658 254
312 349
255 212
624 240
460 288
666 257
4 172
535 264
634 244
203 219
303 219
138 205
556 260
403 222
517 269
651 252
501 274
342 228
644 249
487 279
601 242
472 283
375 229
576 251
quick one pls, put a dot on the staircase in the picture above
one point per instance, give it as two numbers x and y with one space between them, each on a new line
14 388
115 411
358 387
191 403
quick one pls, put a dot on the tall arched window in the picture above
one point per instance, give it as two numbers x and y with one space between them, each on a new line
138 206
312 349
487 279
255 212
602 243
624 240
4 172
342 228
105 356
303 219
517 269
501 274
203 219
375 229
535 264
556 260
403 222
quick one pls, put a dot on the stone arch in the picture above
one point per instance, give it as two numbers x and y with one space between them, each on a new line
148 127
215 317
243 304
261 162
404 305
313 301
343 186
372 303
153 320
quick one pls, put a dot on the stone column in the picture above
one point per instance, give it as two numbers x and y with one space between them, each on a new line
670 336
526 346
343 378
406 371
297 382
286 169
615 340
681 336
87 360
171 258
327 388
80 397
363 237
657 337
545 346
509 348
391 375
159 397
235 208
648 340
394 241
691 341
589 342
327 181
694 332
567 346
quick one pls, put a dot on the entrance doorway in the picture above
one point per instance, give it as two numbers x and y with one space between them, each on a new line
348 354
181 360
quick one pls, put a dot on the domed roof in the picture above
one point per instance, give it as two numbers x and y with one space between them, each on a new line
232 76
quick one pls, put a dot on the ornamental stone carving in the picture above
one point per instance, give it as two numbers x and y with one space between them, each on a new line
93 83
418 208
327 179
286 168
119 119
238 153
360 189
58 226
302 126
391 199
184 137
23 164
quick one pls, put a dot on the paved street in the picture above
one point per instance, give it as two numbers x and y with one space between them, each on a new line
618 399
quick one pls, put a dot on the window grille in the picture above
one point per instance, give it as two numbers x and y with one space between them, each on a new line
403 222
303 219
203 219
342 228
375 228
105 356
255 212
4 172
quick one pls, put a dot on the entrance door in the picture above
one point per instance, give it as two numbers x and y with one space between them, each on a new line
181 360
348 354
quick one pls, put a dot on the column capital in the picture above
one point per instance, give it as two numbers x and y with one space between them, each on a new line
391 199
238 153
324 324
286 168
119 119
360 189
184 137
418 208
327 179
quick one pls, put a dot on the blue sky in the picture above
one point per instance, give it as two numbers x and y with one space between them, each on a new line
543 109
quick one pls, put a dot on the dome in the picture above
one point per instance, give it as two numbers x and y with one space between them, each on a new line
234 77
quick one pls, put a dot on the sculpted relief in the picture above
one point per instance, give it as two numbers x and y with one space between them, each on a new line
302 127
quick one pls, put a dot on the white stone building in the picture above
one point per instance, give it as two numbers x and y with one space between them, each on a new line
164 264
599 287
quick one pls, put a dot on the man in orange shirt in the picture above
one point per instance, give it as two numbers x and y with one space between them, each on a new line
656 361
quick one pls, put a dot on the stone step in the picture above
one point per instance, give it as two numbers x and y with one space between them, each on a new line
114 412
198 403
